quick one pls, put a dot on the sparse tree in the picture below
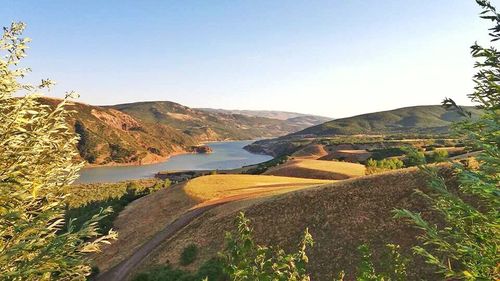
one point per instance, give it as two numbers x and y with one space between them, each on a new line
37 161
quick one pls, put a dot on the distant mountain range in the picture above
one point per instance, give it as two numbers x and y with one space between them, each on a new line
281 115
148 132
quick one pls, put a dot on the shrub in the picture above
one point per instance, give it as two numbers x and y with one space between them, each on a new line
245 260
211 270
120 154
374 166
189 254
87 200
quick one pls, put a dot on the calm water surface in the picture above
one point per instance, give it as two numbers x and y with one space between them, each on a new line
226 155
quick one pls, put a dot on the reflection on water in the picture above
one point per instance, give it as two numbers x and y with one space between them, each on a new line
225 155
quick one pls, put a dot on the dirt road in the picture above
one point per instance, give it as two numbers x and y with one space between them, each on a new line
122 270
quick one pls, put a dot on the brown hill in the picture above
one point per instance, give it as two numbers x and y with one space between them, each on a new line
110 137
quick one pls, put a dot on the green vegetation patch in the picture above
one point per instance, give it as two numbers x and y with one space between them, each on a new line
189 254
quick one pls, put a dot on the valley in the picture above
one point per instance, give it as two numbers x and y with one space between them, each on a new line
195 196
325 177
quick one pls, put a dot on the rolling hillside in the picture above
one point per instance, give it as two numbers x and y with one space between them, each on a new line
403 124
110 137
416 119
340 216
210 125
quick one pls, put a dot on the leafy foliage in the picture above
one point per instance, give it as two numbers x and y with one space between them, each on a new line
245 260
467 246
393 268
37 149
120 154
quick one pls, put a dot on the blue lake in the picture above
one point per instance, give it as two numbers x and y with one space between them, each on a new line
225 155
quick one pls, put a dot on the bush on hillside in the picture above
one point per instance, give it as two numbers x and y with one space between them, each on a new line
245 260
189 254
211 270
413 156
374 166
87 200
120 154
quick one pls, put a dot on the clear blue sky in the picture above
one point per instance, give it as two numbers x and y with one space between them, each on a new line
332 58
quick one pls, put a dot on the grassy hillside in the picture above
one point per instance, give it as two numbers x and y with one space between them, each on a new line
340 216
109 136
205 125
148 215
416 119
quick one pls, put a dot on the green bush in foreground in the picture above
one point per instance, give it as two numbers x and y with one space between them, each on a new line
245 260
37 152
466 248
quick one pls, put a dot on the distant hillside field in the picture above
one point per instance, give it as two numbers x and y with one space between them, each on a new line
433 119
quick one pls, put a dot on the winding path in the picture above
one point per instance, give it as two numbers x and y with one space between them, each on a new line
121 271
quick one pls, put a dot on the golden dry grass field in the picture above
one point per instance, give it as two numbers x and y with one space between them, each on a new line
318 169
219 186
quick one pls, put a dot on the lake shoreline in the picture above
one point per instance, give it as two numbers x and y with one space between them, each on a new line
160 159
226 155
